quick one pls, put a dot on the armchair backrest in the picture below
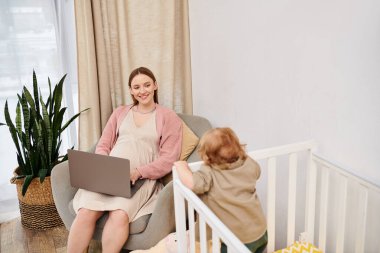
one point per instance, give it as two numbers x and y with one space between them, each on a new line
199 126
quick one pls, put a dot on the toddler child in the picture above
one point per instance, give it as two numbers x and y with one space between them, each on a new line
226 183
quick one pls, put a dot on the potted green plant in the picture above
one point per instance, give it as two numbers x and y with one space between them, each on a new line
36 133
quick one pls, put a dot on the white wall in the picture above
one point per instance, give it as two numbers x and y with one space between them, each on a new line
279 72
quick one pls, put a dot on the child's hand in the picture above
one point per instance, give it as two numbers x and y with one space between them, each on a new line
184 173
181 164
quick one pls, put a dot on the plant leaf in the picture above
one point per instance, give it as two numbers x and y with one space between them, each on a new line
48 131
58 95
56 154
65 158
72 119
31 103
42 174
11 127
48 99
41 149
27 181
21 135
18 119
35 91
21 164
26 115
57 123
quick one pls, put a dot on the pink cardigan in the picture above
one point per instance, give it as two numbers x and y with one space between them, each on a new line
169 129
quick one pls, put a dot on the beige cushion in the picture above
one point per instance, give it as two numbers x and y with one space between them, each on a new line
189 142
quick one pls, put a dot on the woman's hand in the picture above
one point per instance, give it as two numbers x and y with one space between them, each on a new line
134 176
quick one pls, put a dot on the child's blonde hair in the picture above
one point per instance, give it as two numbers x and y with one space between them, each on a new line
221 146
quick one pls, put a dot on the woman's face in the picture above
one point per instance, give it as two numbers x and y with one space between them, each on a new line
142 89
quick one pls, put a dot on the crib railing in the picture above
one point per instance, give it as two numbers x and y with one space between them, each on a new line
340 210
219 231
271 156
358 218
183 195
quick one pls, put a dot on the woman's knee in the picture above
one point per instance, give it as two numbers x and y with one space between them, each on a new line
119 216
88 216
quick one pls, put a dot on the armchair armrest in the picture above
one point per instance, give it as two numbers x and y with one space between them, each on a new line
63 192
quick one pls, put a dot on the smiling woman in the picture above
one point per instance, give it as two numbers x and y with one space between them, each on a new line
150 136
32 37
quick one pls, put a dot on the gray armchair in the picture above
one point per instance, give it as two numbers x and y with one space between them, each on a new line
146 231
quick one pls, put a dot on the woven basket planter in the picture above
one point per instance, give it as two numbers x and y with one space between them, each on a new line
37 207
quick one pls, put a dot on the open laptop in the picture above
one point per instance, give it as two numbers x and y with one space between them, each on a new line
101 173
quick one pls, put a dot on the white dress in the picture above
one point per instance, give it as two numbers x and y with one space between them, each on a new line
139 145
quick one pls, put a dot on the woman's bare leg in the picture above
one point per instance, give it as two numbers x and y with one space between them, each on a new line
115 232
82 229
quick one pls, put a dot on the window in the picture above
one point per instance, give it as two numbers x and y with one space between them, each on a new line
33 36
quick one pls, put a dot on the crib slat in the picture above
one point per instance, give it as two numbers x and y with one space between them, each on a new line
202 235
292 198
191 227
310 198
215 242
341 223
362 218
323 208
179 203
231 250
271 205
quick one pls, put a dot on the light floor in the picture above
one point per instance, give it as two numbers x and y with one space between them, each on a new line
17 239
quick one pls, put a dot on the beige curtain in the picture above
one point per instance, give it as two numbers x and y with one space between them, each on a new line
116 36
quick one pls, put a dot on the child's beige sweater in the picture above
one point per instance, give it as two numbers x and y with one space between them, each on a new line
231 195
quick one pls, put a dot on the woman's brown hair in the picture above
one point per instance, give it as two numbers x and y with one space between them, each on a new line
220 147
143 71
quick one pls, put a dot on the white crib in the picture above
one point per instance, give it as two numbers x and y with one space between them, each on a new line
303 195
